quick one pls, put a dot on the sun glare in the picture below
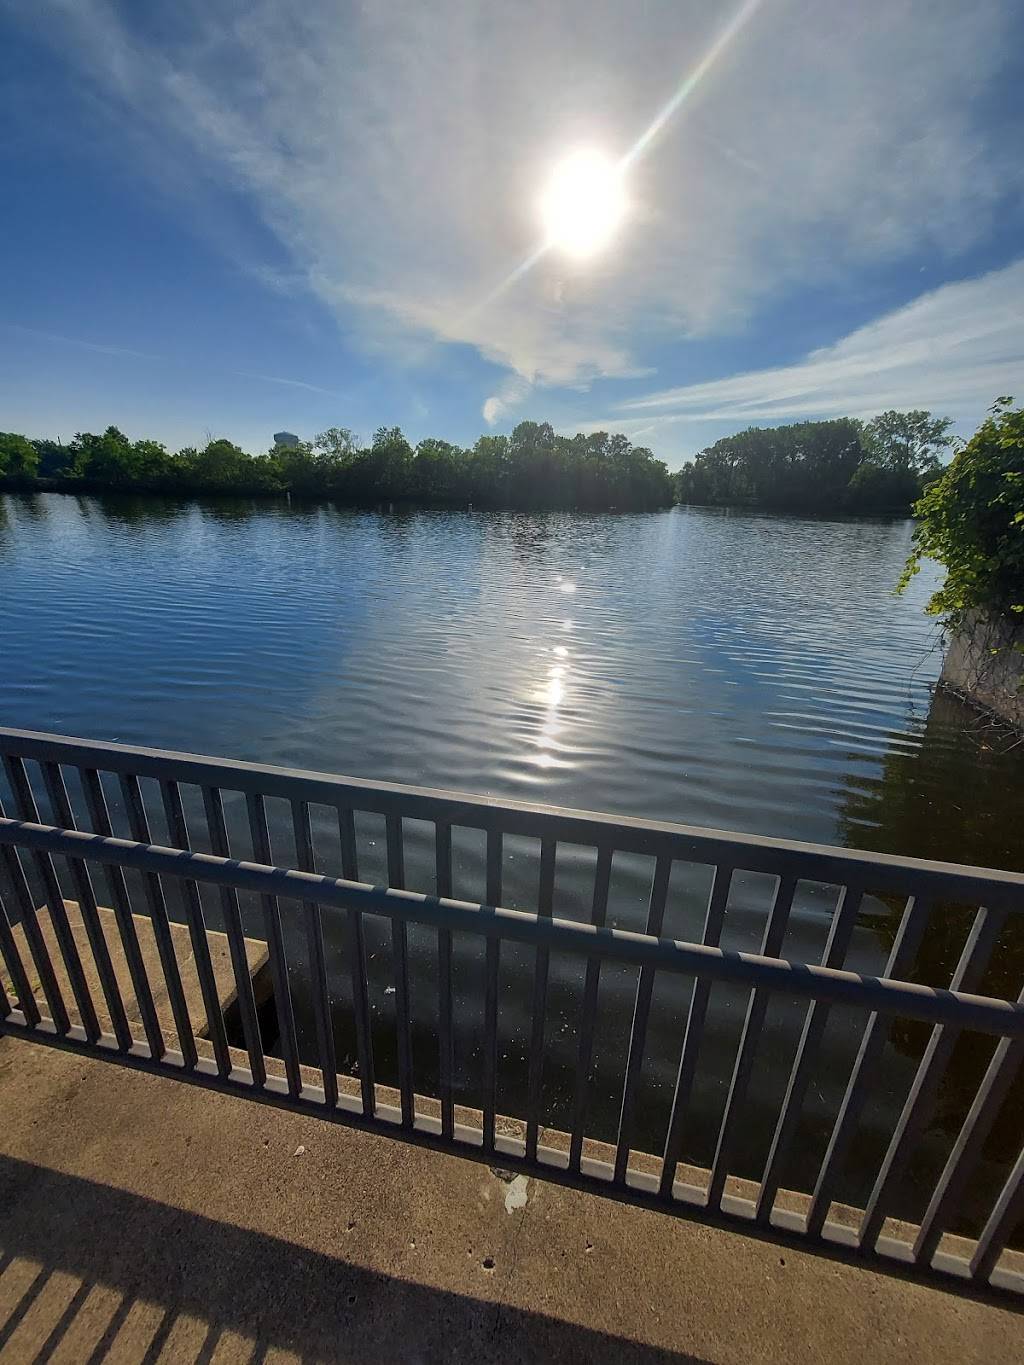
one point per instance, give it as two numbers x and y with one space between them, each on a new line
583 203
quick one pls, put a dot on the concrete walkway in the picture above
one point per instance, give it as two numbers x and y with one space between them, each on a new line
143 1220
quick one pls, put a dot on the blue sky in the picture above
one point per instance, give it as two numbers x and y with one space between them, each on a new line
234 217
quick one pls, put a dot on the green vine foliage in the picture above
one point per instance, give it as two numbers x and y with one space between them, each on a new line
972 521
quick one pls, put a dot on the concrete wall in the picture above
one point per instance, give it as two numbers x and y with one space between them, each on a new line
983 665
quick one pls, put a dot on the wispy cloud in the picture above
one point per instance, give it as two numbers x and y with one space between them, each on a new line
396 151
953 349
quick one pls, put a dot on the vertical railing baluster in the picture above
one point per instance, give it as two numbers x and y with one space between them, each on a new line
177 826
66 944
357 966
492 958
306 857
153 890
256 807
16 971
1007 1213
641 1014
61 925
34 937
585 1046
57 792
714 918
545 901
445 1029
26 805
967 1150
7 940
213 805
757 1007
79 874
901 959
920 1102
400 963
836 945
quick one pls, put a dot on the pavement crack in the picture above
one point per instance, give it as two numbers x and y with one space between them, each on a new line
500 1305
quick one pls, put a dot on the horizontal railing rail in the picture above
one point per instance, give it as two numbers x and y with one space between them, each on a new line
753 853
95 990
808 980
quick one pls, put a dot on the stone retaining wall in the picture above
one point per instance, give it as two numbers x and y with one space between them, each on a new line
985 664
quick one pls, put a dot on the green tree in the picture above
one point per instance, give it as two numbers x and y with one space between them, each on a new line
223 467
152 464
105 459
875 488
337 444
972 521
55 458
19 458
440 470
389 463
806 466
907 440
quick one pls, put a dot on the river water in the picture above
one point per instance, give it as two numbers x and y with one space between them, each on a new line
751 673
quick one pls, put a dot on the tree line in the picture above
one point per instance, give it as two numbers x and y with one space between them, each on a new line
842 465
531 468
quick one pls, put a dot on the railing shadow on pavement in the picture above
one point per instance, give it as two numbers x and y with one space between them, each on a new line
90 1272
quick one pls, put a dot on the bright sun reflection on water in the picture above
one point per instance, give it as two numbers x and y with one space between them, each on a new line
551 695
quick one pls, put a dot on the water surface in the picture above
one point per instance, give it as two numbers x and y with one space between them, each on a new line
752 673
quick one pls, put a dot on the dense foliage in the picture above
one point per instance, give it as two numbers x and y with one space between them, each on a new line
839 465
972 521
531 468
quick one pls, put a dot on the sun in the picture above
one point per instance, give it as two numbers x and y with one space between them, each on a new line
583 203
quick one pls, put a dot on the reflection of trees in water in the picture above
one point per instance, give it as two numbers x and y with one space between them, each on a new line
130 509
148 509
26 506
956 797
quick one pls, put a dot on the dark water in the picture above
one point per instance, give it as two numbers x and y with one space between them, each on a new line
745 672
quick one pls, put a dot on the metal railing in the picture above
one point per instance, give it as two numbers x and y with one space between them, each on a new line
64 798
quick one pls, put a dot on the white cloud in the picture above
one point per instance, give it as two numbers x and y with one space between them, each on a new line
507 398
396 151
953 350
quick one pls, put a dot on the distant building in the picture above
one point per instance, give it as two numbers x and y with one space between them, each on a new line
286 438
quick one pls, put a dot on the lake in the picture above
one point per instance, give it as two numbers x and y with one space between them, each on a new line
752 673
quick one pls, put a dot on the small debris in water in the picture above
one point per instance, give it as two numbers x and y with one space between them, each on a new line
389 990
488 1262
298 1150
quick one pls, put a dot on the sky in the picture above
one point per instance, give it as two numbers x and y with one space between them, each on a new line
239 217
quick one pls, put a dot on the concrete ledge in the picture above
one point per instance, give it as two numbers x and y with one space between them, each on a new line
220 957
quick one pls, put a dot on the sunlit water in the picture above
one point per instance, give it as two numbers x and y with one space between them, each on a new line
745 672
